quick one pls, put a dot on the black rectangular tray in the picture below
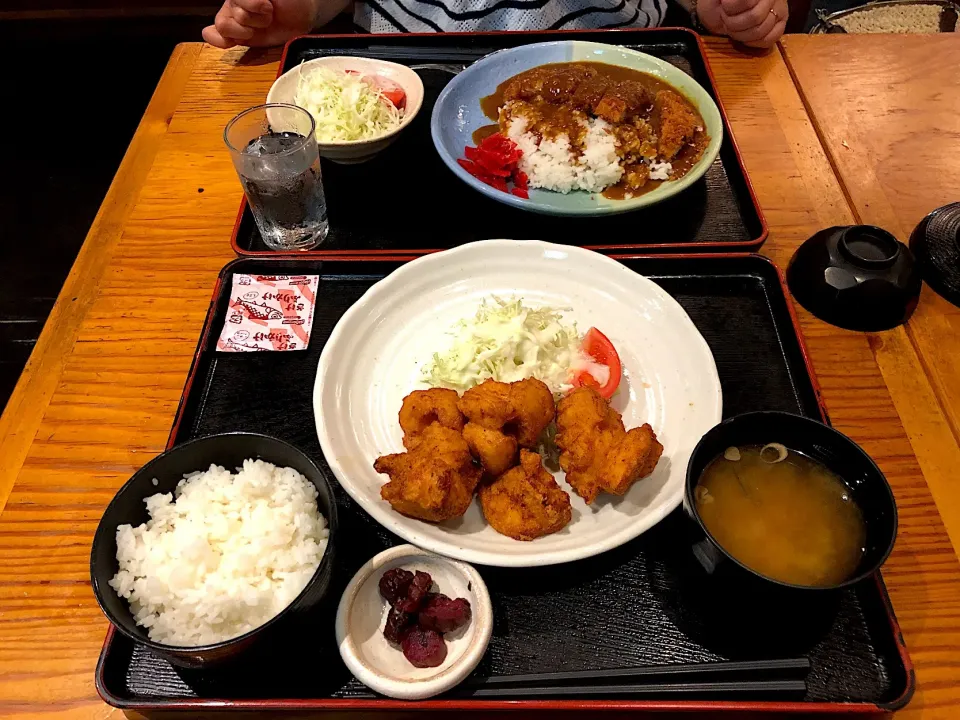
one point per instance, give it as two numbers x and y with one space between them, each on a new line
644 603
401 201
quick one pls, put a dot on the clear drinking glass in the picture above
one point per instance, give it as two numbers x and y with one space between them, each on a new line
275 152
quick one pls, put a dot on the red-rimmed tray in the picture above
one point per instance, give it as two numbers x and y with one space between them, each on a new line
644 603
406 200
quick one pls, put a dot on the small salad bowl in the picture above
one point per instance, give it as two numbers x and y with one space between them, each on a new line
284 90
382 666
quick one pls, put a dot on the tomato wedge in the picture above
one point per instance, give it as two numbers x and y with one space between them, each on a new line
598 346
387 87
395 95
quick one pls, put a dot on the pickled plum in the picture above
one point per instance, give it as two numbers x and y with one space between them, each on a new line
398 622
424 648
442 614
416 592
418 617
394 584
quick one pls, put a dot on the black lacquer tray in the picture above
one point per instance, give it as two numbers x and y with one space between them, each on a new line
646 603
405 200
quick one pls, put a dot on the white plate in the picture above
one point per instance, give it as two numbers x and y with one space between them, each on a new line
376 352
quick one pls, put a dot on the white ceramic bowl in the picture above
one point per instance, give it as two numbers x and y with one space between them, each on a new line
355 151
381 666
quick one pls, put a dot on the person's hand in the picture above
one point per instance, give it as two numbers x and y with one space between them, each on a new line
260 23
758 23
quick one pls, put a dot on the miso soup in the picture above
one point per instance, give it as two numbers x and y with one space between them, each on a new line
782 514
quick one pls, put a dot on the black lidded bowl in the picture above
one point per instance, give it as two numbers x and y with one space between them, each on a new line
867 484
857 277
127 507
936 244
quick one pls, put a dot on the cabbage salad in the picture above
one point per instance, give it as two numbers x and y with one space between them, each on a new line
508 341
345 106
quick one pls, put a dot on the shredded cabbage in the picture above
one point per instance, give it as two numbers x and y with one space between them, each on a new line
508 341
345 106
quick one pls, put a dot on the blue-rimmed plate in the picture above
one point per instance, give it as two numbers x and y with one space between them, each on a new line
457 114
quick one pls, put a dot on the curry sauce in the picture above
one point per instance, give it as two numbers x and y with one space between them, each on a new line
651 121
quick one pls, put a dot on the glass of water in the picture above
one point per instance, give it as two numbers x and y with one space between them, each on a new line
275 152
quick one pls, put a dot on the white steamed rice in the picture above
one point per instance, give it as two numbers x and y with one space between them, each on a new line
551 164
660 170
224 557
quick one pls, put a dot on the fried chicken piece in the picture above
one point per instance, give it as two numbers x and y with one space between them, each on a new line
496 451
678 123
522 409
534 408
635 457
596 452
585 430
525 503
422 408
489 404
435 480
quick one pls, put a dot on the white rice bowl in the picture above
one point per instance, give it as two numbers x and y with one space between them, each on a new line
225 556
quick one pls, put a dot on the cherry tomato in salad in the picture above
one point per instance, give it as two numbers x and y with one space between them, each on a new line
601 350
388 88
396 96
391 90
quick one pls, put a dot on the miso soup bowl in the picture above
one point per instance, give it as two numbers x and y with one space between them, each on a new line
867 484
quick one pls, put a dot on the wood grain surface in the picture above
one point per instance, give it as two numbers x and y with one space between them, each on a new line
102 388
887 109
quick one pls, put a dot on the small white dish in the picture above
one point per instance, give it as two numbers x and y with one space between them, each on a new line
284 89
380 665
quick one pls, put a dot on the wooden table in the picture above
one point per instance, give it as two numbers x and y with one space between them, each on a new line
101 389
887 110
